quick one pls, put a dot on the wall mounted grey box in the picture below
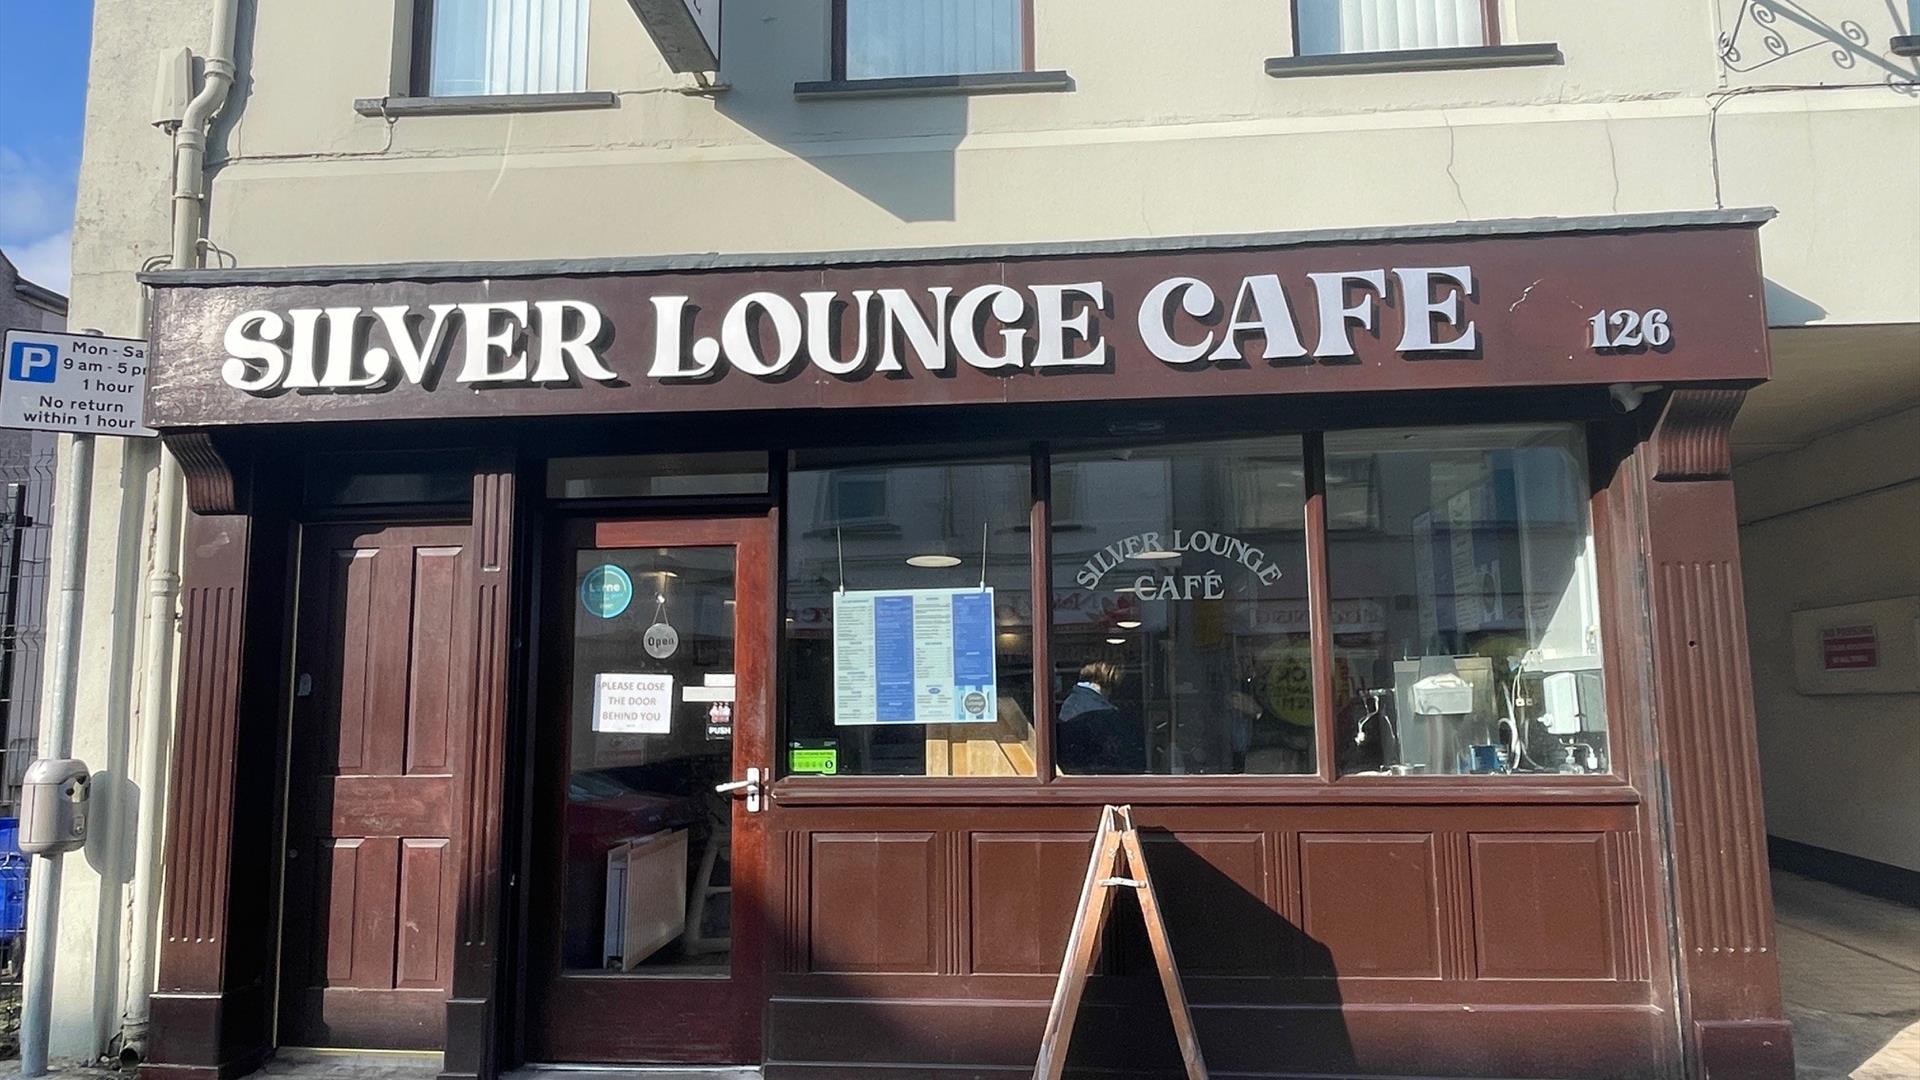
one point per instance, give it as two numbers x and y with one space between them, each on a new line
53 806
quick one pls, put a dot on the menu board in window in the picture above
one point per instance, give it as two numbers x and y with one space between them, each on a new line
914 656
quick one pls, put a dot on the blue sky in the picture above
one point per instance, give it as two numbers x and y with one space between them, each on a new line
43 100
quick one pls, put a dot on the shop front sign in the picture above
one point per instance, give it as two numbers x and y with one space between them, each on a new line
1046 326
1221 317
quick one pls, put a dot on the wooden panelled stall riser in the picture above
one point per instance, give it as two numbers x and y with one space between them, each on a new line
1313 940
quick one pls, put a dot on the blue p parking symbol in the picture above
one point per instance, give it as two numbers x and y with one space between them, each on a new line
32 361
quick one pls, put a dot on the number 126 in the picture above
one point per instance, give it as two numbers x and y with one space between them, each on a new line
1630 329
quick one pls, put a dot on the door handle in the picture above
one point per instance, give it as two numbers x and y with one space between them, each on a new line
751 787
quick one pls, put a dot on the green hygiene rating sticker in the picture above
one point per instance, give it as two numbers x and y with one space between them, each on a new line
815 760
606 591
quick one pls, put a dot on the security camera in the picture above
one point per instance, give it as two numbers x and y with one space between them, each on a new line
1627 397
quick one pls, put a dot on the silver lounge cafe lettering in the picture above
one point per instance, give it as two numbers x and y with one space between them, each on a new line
993 327
1150 546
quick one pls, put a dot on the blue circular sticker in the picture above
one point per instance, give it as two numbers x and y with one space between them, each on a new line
607 591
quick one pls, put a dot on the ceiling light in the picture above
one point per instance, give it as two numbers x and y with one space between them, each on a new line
933 562
1128 624
1158 553
1116 641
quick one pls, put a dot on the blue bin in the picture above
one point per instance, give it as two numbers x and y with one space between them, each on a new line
13 881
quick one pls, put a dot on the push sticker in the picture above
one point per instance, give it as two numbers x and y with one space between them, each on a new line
607 591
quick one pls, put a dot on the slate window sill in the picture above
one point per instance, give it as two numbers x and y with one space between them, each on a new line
1905 45
483 104
1366 63
998 82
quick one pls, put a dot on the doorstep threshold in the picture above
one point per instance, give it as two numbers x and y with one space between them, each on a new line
634 1073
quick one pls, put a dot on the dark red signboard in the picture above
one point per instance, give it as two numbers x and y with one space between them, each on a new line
1209 317
1850 648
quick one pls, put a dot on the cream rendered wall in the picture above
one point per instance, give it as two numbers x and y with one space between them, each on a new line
1180 108
1173 128
1842 771
120 220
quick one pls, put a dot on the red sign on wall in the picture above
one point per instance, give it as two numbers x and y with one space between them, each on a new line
1850 648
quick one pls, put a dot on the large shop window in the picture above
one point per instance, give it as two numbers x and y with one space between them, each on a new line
885 39
1461 609
1180 623
909 618
501 47
1325 27
1465 607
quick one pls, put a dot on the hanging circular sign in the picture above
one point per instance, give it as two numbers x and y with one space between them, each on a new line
661 641
607 591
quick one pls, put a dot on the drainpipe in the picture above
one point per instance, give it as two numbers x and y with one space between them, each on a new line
163 577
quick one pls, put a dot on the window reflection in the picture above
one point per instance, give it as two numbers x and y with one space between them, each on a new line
1465 606
1180 634
898 526
649 842
896 38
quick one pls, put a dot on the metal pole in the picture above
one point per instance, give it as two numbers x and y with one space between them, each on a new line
56 740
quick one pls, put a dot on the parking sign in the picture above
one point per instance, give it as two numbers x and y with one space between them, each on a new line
74 382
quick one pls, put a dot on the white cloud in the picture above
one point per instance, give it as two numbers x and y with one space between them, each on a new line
36 198
47 262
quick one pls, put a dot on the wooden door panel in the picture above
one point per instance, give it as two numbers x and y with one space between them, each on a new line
433 682
341 871
371 916
423 946
410 806
343 651
381 724
351 1018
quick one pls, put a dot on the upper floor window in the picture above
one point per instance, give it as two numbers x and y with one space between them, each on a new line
1325 27
885 39
466 47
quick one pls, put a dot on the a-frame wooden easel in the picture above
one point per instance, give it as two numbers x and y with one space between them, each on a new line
1118 863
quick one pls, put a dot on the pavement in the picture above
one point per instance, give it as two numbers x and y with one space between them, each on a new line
1849 970
1850 973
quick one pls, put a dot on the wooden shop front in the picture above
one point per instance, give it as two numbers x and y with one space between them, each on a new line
724 660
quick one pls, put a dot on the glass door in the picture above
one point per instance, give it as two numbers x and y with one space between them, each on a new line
653 744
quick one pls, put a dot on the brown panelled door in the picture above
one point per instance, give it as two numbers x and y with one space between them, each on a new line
380 729
653 744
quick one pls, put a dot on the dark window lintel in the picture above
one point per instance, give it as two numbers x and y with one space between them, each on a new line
996 82
1363 63
479 104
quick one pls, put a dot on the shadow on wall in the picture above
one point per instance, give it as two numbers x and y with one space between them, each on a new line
1220 930
1788 308
1264 995
896 153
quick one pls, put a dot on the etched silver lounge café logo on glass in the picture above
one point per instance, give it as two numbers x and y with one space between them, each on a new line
1153 547
846 334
